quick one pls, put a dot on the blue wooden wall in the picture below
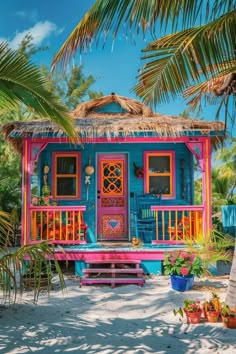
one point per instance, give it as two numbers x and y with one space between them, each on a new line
136 186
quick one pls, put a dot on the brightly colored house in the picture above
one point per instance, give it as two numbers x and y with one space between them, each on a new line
86 195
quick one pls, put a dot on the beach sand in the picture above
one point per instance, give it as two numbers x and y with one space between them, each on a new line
127 319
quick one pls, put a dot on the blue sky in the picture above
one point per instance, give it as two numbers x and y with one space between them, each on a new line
50 22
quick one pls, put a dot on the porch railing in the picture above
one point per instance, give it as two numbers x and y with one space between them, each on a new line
178 223
57 224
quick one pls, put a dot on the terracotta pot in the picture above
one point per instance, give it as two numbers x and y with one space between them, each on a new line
193 317
229 322
212 316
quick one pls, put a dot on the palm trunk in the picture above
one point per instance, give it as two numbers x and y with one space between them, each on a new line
231 292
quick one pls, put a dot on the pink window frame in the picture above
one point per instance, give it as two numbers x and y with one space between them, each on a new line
77 175
170 153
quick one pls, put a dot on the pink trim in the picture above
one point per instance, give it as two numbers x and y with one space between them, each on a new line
177 207
196 149
24 229
153 255
35 155
120 140
56 208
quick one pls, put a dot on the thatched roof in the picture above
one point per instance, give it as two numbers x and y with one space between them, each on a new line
132 118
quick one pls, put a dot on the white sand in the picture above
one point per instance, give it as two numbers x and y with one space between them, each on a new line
128 319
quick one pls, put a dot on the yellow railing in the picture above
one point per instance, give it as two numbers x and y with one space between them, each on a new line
57 224
178 223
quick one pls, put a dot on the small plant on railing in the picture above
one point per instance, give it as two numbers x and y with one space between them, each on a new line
182 263
136 242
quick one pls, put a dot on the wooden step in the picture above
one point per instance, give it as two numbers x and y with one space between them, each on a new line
113 270
110 261
112 281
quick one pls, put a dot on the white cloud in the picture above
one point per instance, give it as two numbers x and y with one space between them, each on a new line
40 31
31 15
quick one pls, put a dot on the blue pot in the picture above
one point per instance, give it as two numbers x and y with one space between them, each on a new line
181 283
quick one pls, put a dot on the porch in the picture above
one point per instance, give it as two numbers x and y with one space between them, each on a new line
164 224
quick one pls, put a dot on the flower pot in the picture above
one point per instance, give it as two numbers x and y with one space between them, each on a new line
212 316
182 283
229 322
193 317
42 283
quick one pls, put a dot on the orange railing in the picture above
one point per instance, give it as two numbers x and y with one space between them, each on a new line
57 224
178 223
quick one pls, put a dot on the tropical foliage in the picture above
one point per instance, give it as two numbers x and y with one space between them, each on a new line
211 249
183 263
199 52
14 265
22 82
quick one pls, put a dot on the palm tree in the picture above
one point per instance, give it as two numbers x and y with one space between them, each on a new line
22 82
199 61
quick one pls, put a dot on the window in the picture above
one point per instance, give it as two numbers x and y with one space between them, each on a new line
66 174
159 173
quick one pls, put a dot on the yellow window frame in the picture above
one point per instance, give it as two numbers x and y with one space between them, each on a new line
169 174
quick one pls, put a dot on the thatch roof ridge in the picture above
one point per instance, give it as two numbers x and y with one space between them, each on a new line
130 105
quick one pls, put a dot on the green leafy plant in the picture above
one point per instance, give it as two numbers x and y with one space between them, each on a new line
212 248
189 306
213 304
226 311
182 263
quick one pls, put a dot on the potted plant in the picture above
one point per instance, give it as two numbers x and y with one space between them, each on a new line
212 308
192 309
38 274
182 266
228 316
136 242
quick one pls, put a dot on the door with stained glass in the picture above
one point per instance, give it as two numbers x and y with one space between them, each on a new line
112 209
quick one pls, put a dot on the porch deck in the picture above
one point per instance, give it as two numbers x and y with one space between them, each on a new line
150 256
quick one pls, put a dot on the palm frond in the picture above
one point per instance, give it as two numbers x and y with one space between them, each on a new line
22 82
107 17
6 228
176 61
35 259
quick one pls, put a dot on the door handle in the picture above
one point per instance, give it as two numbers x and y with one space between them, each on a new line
98 197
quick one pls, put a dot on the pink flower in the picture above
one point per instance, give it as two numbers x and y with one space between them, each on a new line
172 260
184 255
34 200
184 271
192 257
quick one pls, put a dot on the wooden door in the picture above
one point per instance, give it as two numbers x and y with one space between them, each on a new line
112 205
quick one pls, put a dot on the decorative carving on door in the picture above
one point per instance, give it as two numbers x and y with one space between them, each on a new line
112 183
113 225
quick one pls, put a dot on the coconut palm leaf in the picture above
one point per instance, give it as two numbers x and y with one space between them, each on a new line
176 61
22 82
5 228
208 90
107 17
35 259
